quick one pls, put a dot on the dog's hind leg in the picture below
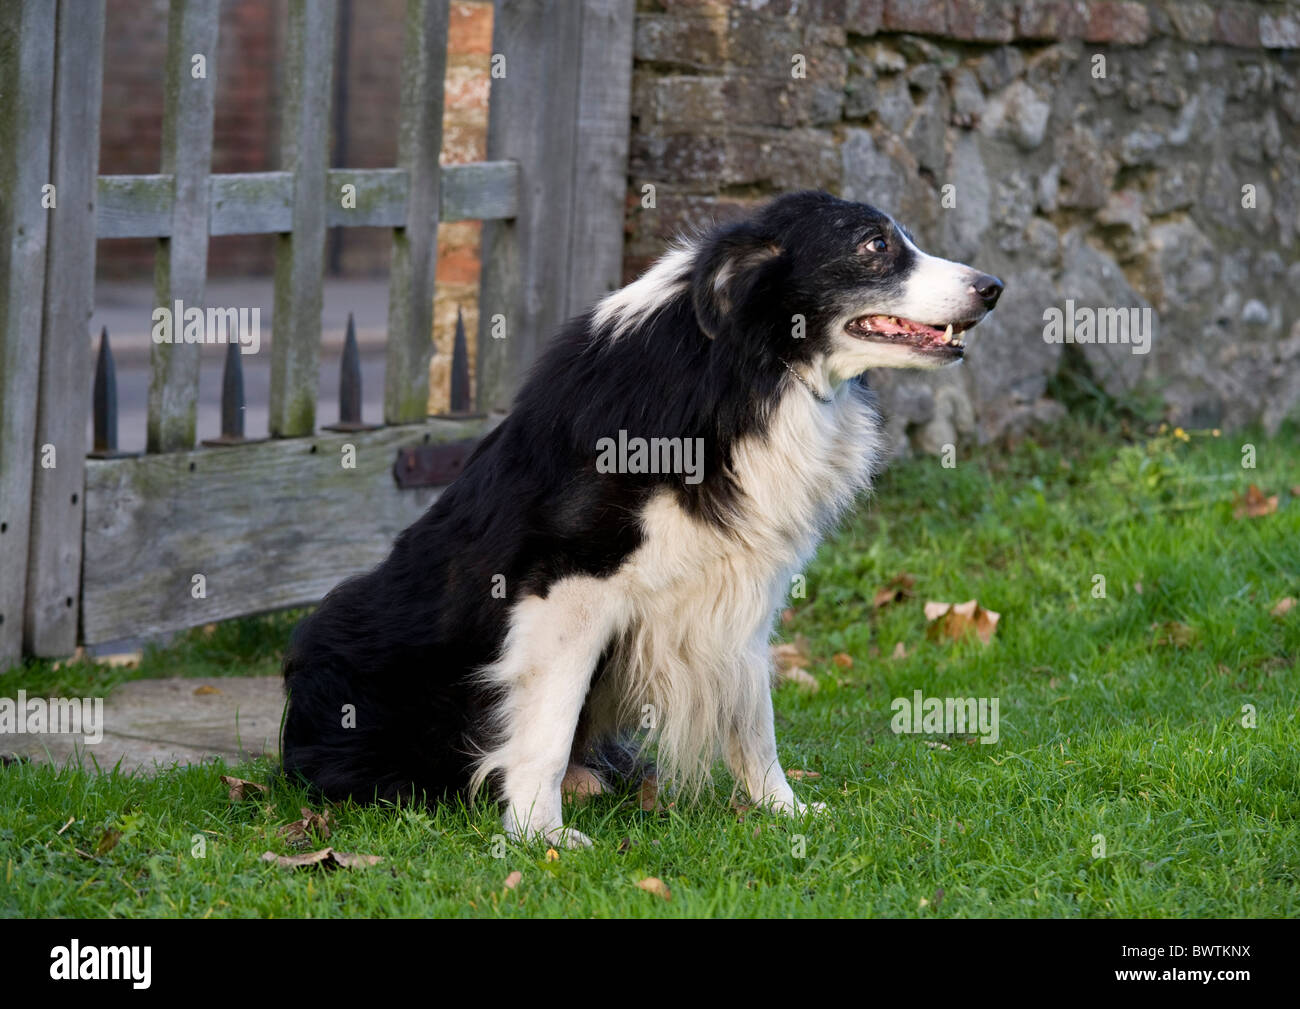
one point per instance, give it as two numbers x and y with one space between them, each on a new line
550 654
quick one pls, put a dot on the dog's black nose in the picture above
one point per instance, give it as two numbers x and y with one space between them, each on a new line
989 288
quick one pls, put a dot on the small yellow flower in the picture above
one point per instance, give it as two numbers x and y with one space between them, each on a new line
1181 435
1216 432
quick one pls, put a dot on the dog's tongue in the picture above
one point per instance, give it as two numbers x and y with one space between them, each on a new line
891 326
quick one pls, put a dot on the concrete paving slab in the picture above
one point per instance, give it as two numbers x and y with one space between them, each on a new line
152 724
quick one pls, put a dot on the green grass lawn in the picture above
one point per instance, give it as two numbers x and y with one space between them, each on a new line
1121 725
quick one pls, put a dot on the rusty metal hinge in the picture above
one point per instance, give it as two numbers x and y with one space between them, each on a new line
433 465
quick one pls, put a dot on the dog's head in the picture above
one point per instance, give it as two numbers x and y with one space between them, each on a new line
819 279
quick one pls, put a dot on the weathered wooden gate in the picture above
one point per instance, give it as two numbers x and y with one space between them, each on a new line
98 549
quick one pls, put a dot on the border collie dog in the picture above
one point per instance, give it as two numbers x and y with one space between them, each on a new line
609 563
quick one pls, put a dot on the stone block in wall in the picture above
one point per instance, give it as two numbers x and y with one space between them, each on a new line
929 17
863 17
1052 20
692 41
1192 22
1279 31
1119 23
981 20
1237 24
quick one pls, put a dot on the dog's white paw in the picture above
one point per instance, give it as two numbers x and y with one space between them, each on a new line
567 837
794 808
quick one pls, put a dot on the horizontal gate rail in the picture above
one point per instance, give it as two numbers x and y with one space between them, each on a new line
260 203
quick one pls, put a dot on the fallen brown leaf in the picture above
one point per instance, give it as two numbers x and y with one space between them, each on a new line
327 858
241 789
791 659
796 654
1253 504
655 885
649 794
900 651
956 620
205 689
513 880
297 831
800 775
843 659
895 590
1174 633
1284 606
1295 491
78 655
801 678
123 659
107 841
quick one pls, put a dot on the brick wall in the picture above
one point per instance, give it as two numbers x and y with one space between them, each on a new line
1123 189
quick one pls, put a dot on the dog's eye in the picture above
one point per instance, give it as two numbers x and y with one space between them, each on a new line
874 245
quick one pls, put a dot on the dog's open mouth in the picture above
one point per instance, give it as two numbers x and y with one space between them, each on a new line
917 335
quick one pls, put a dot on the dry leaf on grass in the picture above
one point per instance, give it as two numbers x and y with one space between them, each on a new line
1284 606
205 689
119 659
956 620
513 880
297 831
800 775
895 590
107 841
1253 504
649 794
1174 634
843 659
655 885
1295 491
327 858
802 679
791 659
900 651
241 789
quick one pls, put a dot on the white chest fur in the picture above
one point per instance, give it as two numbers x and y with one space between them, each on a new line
692 660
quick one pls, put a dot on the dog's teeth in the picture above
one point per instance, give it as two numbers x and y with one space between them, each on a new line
947 334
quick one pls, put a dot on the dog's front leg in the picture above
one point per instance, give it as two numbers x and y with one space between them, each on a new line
551 653
751 755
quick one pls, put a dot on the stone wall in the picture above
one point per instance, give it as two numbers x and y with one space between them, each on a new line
1121 155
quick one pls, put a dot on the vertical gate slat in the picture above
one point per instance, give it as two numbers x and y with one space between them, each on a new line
600 154
300 253
27 82
411 279
182 264
561 111
54 563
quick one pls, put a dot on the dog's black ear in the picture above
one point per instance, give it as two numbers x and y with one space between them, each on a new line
728 269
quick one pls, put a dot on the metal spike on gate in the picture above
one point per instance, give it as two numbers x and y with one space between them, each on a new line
104 403
350 385
459 402
232 401
460 368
